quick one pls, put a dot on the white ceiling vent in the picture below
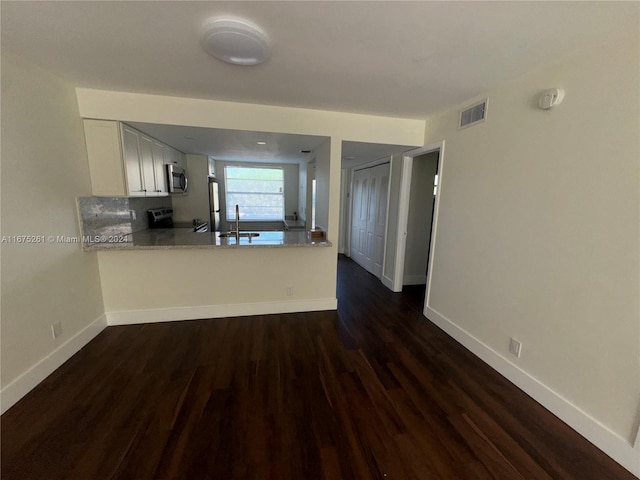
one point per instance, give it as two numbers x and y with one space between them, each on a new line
475 114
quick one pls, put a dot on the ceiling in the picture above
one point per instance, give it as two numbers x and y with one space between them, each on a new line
390 58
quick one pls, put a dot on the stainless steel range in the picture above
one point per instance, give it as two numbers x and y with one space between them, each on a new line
163 218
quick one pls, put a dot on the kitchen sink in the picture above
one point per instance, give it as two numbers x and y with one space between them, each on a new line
242 234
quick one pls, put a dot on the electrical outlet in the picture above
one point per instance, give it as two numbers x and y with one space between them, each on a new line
515 347
289 291
56 329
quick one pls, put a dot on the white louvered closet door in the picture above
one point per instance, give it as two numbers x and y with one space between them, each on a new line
368 219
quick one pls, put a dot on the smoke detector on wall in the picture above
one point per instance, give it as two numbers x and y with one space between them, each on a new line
550 98
235 41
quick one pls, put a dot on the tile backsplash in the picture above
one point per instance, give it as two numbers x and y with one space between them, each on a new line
105 216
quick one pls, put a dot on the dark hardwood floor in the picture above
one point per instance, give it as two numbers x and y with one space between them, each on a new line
372 391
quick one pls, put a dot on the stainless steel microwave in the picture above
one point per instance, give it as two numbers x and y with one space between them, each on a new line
177 179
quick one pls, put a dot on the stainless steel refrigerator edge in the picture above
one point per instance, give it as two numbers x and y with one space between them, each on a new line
214 205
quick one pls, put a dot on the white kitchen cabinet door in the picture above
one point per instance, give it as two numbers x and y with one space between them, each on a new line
159 169
182 160
174 157
104 152
168 156
132 163
144 162
147 165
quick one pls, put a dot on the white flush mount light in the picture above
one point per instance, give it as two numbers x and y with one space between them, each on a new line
235 41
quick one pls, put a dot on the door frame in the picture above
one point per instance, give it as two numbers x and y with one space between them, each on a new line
344 236
403 214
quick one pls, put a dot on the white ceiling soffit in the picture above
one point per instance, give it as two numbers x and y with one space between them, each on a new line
242 146
403 59
235 145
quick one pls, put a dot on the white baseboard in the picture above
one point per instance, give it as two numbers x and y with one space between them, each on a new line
414 280
45 367
609 442
130 317
387 282
22 385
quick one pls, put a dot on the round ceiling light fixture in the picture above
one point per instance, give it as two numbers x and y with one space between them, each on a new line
235 41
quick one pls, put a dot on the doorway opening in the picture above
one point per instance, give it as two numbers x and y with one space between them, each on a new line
421 183
420 218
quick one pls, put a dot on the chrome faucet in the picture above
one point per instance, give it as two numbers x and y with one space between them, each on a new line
237 234
237 224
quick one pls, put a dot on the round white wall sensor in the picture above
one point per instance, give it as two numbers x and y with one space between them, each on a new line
235 41
550 98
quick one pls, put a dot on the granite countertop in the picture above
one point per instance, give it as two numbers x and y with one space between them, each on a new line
179 238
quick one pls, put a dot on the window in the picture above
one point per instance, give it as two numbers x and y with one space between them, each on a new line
259 191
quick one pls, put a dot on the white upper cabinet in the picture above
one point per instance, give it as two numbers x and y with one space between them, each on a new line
126 162
146 162
105 154
132 162
173 156
159 169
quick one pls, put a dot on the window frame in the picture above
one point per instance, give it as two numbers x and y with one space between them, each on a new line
243 213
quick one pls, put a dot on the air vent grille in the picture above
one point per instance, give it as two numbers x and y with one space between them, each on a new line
474 114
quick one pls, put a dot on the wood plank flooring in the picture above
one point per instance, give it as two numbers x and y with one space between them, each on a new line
372 391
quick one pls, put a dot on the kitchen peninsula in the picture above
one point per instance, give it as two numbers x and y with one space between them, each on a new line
120 223
181 238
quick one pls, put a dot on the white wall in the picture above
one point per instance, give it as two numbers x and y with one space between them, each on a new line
323 178
419 218
538 238
44 169
311 176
